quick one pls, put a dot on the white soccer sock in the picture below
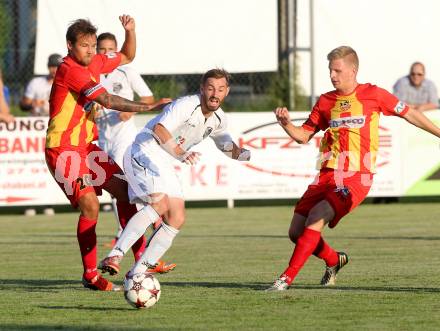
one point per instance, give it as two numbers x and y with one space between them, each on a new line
136 227
160 242
115 211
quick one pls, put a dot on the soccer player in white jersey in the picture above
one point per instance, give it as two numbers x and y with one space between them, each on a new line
149 169
117 130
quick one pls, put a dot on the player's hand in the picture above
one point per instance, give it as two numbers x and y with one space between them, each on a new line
282 115
191 158
244 155
127 22
158 105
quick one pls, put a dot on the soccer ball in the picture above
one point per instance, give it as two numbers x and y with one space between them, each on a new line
141 290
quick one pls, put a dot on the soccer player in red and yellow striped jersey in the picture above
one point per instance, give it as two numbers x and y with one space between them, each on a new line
349 115
80 168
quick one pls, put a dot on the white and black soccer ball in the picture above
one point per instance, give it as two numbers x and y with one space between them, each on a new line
141 290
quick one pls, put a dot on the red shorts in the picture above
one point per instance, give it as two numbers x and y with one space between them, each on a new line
80 171
344 191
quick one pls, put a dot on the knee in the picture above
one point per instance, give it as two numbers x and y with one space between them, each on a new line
176 221
161 204
90 208
320 214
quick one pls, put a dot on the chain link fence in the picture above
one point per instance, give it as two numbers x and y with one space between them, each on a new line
261 91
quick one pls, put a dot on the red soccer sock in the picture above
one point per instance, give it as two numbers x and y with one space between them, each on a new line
326 253
125 212
305 246
87 245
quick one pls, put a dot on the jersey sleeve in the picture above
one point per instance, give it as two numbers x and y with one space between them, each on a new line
108 62
389 104
138 84
79 81
315 122
220 135
175 114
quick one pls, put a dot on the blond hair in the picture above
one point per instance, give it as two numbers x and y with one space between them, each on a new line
344 52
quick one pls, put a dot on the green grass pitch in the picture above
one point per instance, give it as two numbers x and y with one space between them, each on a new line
225 258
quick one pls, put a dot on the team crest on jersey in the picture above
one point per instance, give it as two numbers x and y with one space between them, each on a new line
345 105
117 87
207 132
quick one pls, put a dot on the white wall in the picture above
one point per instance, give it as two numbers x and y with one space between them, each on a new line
388 35
174 36
190 36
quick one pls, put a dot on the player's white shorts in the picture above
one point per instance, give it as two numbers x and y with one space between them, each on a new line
148 173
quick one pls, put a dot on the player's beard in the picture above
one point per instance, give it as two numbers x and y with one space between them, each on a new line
212 103
85 61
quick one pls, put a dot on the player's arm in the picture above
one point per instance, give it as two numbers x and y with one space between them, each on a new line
166 141
148 100
124 116
111 101
225 144
4 108
297 133
128 49
419 119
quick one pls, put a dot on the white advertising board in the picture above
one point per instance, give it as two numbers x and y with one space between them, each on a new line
279 167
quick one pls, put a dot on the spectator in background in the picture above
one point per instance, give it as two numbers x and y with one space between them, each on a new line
415 90
4 107
36 95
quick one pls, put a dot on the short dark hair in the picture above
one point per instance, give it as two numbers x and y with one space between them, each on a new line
216 73
107 36
80 27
